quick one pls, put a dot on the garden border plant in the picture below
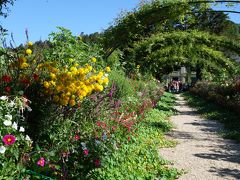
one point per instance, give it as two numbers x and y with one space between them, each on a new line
139 158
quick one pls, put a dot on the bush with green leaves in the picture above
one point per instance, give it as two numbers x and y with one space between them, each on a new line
224 93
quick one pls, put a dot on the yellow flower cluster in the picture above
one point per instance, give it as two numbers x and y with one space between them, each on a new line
65 85
72 84
28 50
22 61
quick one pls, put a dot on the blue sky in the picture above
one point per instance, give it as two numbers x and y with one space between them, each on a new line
41 17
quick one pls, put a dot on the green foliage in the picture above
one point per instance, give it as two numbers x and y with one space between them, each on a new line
155 16
166 104
114 59
132 26
124 88
68 49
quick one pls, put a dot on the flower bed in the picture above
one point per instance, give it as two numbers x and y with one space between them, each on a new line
64 113
225 94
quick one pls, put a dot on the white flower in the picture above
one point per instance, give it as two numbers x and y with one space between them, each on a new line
115 146
14 125
2 149
8 117
7 123
140 94
83 145
104 136
97 142
3 98
11 104
27 138
21 129
29 109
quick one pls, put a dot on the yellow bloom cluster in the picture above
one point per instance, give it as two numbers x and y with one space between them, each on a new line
28 50
64 83
23 60
72 84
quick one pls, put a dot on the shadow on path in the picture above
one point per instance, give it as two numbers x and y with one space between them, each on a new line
226 172
202 151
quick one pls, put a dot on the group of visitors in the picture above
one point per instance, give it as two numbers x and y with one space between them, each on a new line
175 86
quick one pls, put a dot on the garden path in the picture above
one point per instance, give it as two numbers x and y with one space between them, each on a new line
201 152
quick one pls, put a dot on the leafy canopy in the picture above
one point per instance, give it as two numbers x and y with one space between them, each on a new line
164 52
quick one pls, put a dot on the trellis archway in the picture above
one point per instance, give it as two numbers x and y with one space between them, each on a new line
141 22
163 52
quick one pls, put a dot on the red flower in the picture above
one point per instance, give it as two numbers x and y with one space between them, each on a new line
6 79
86 151
8 89
36 77
8 139
25 81
98 123
97 162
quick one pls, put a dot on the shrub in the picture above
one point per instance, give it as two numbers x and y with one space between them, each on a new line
15 144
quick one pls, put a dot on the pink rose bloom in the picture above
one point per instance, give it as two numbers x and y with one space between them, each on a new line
76 137
86 151
41 162
8 139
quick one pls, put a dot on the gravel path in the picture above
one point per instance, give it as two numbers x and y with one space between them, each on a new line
201 152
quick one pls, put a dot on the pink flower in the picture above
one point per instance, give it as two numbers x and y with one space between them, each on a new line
36 77
76 137
97 162
8 139
41 162
114 128
86 151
